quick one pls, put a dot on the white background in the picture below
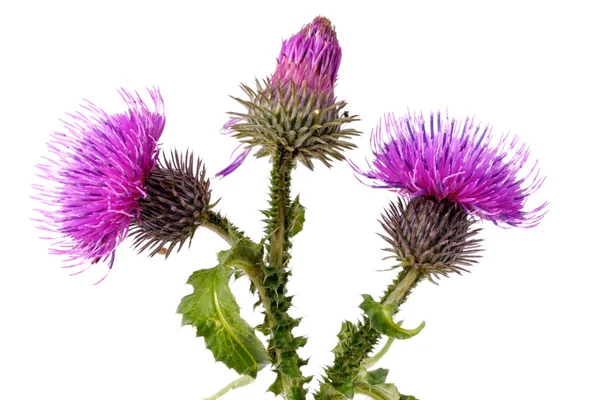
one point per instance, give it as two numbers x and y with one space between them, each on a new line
522 325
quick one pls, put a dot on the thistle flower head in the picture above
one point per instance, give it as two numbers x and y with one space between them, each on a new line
311 57
178 196
436 237
456 161
96 175
295 109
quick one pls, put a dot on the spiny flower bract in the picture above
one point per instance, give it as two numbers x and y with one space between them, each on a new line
177 201
95 177
295 108
452 160
434 236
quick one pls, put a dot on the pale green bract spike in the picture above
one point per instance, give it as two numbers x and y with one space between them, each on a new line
213 311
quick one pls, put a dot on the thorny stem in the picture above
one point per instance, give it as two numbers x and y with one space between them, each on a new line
271 283
222 227
353 351
283 345
398 293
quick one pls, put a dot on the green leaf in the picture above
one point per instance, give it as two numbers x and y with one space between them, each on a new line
243 253
212 309
298 217
377 376
372 384
381 319
384 391
330 393
347 389
403 397
276 387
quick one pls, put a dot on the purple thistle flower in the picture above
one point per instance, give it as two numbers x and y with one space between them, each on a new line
311 56
456 161
95 177
296 107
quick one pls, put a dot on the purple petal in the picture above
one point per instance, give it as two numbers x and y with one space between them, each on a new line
449 159
239 159
95 176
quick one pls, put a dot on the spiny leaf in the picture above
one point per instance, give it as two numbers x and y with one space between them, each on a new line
213 311
377 376
381 319
298 218
276 387
296 393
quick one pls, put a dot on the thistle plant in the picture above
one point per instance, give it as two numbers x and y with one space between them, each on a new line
107 178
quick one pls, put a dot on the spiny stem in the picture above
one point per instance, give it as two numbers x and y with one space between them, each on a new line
352 351
281 178
399 290
271 282
283 345
220 225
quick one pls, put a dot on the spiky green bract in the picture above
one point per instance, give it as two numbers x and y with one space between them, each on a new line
357 341
302 121
283 345
177 202
434 236
213 311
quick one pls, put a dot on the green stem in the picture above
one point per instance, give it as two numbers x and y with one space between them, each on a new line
271 282
353 350
278 230
243 380
283 345
399 290
371 361
222 227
